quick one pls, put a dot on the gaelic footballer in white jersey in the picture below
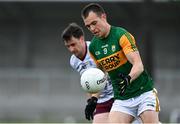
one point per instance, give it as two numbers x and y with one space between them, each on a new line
81 66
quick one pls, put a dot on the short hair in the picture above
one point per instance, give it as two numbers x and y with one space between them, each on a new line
72 30
92 7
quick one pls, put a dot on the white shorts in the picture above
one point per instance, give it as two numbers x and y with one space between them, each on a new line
135 106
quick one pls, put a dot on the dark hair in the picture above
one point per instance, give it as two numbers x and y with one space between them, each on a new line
92 7
72 30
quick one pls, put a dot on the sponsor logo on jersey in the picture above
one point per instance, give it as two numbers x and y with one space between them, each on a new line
113 61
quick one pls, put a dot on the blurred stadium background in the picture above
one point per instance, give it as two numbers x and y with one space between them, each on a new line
36 81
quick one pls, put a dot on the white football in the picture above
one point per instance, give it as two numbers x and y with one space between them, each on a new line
93 80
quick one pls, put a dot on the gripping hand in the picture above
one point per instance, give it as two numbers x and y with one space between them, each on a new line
90 107
124 82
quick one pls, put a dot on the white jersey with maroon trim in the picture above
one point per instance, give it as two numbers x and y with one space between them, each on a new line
82 65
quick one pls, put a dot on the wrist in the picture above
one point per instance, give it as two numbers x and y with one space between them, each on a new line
93 98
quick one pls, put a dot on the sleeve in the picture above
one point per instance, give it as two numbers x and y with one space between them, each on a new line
127 42
72 63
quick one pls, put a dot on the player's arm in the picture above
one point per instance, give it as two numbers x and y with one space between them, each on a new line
92 98
91 105
129 47
137 68
127 42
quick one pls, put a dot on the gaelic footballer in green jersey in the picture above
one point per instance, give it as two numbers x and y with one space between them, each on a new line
110 52
114 49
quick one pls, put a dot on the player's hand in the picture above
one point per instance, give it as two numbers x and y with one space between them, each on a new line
90 107
124 82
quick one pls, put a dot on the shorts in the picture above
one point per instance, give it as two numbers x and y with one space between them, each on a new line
135 106
104 107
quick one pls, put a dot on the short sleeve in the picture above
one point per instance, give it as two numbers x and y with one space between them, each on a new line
127 42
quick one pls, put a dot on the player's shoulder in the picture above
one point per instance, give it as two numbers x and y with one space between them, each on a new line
73 60
118 30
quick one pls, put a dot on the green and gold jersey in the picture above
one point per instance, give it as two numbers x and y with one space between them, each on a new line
109 53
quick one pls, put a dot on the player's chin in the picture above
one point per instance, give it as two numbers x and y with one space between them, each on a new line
98 35
95 34
76 54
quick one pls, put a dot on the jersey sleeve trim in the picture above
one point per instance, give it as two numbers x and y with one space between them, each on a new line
127 42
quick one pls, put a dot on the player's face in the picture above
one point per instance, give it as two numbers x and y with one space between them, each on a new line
75 46
96 24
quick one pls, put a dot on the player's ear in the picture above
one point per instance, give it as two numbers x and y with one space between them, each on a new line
103 16
81 38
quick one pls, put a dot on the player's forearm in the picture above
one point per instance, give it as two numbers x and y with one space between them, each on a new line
136 70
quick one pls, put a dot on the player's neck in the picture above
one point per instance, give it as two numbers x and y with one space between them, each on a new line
108 30
84 52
